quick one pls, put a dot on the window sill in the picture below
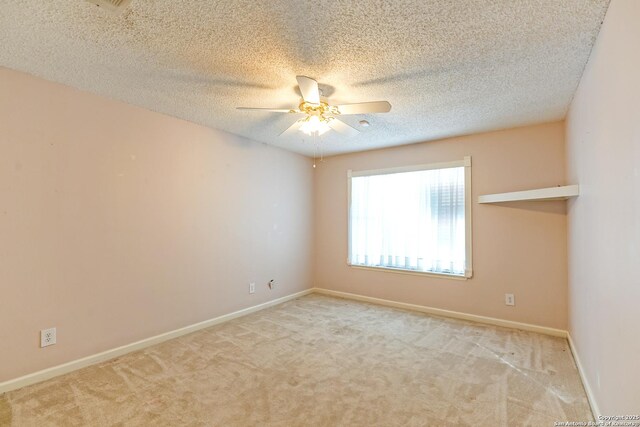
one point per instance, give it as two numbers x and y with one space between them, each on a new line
411 272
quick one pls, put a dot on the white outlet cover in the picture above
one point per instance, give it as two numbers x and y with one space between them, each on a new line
252 288
509 299
47 337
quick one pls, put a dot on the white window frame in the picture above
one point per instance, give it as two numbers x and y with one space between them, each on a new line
466 163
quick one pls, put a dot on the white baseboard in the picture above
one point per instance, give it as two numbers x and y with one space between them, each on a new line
595 410
447 313
55 371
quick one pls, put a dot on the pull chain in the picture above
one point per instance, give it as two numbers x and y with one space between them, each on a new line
314 155
315 148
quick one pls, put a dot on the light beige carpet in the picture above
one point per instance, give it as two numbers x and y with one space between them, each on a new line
320 361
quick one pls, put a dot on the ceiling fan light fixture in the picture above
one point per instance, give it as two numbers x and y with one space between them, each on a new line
314 125
319 116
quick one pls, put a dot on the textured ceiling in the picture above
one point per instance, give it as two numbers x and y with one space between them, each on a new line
447 67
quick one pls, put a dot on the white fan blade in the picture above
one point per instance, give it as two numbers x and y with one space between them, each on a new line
342 127
365 107
270 110
292 129
309 89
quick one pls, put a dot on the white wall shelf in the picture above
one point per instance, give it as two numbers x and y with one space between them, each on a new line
553 193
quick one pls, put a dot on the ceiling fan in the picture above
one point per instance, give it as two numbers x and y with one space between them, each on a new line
319 116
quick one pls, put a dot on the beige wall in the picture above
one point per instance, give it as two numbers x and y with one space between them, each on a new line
518 248
117 223
603 137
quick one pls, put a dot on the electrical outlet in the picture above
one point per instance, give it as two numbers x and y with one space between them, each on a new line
47 337
252 288
509 299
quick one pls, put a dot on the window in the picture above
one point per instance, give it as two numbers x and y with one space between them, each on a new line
415 219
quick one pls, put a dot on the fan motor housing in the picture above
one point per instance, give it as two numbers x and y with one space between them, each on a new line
317 109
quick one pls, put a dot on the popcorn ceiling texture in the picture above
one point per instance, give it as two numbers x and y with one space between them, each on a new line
447 67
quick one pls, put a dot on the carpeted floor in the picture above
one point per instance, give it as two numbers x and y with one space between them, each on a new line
320 361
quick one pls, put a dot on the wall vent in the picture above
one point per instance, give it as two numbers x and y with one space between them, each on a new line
111 5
